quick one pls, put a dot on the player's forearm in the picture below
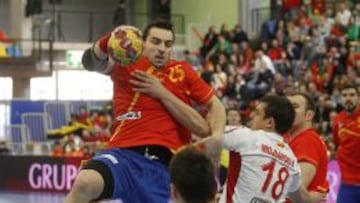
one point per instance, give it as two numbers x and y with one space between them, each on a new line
186 115
303 196
300 196
216 116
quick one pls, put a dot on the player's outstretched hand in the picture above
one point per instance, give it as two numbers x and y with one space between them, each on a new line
147 83
212 147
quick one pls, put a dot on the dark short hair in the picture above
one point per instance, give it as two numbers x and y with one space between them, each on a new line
350 86
193 175
232 109
310 104
166 25
281 110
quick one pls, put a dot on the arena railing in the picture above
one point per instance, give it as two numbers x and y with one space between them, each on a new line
87 26
261 15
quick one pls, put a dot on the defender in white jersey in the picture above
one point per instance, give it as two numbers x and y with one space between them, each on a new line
262 167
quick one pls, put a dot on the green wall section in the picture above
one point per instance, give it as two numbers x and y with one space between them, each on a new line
207 12
139 8
203 13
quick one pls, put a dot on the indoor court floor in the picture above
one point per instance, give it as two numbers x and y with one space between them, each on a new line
36 197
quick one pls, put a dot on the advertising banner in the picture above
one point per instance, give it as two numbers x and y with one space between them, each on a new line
38 173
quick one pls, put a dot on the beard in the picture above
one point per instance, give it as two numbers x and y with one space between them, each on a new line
349 107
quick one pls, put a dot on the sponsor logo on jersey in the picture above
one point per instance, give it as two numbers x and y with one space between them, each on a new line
132 115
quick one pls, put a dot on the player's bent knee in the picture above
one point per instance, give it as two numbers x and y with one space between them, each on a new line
88 182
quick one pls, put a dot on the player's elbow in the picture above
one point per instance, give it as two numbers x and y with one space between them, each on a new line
87 60
93 63
203 129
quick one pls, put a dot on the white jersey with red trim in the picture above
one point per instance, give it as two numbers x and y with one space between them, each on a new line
262 167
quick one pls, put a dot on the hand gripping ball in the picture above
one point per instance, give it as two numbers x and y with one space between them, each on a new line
125 45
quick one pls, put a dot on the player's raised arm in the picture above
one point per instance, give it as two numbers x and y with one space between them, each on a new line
216 116
98 58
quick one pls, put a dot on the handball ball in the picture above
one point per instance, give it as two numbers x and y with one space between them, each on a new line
125 45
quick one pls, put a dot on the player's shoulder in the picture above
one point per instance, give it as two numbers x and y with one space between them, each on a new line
180 63
341 115
311 133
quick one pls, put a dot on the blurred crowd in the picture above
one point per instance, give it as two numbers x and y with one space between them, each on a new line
86 133
301 49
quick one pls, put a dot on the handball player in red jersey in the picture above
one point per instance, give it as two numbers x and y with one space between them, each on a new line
152 106
346 135
307 145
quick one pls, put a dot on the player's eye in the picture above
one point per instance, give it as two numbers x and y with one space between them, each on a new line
169 44
156 41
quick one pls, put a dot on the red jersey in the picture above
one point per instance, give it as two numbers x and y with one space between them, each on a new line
346 135
142 119
309 147
289 4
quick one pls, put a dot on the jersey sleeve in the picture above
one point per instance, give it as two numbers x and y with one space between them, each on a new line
295 182
238 138
307 152
198 89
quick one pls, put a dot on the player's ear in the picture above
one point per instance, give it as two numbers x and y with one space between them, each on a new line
270 123
309 115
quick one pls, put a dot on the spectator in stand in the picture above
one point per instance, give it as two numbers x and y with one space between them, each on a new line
222 46
343 14
71 149
279 84
58 149
239 35
247 52
268 30
275 54
264 46
318 7
263 61
290 8
312 91
322 114
209 41
281 32
353 32
260 79
87 152
220 78
225 32
83 116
